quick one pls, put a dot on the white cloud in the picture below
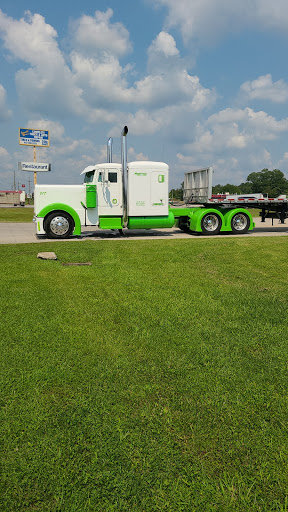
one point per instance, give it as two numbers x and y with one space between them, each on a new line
98 33
246 124
235 142
263 88
166 89
97 87
105 82
136 156
140 123
56 129
5 159
5 113
164 44
48 84
206 20
102 79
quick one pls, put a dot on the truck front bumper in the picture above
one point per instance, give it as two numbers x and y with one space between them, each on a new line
39 225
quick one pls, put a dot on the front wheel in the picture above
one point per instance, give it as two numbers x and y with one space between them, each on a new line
240 223
211 224
59 225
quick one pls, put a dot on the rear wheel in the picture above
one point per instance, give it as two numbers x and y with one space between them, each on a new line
240 223
59 225
211 224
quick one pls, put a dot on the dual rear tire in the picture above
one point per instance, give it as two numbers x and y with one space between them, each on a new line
211 223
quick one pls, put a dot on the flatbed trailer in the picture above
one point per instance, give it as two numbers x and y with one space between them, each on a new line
224 214
270 207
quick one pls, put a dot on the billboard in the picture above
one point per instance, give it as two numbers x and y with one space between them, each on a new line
29 137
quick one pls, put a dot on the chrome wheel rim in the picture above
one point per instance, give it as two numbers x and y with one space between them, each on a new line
211 222
59 225
239 222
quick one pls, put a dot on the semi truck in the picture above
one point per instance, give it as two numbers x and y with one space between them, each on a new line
135 195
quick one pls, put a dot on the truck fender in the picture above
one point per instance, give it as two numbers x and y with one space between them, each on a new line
64 208
230 213
197 215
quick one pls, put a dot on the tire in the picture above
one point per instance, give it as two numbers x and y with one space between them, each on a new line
59 225
240 223
182 224
211 224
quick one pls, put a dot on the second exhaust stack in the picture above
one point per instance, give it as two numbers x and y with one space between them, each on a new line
124 174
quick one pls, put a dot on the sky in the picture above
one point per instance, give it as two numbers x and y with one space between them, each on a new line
198 83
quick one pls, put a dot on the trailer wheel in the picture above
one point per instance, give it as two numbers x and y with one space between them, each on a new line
58 225
240 223
211 224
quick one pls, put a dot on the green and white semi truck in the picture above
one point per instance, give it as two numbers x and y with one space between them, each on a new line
134 195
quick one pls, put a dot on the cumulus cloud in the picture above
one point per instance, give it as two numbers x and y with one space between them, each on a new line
255 125
5 113
164 44
224 16
168 85
5 159
235 142
236 129
263 88
56 129
48 82
96 86
96 33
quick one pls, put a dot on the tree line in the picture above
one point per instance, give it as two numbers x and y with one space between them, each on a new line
273 183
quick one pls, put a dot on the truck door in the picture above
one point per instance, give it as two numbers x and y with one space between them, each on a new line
109 189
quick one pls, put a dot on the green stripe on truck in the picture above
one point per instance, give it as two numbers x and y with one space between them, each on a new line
151 222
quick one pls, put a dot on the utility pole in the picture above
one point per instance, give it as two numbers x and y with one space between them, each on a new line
29 191
14 181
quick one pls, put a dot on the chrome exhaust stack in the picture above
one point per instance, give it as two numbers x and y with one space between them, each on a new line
124 175
109 150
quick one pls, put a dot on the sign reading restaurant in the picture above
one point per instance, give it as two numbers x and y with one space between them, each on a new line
34 166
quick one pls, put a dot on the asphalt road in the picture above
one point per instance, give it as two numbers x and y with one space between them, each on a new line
23 233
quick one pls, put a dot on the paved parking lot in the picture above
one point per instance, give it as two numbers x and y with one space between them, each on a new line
23 233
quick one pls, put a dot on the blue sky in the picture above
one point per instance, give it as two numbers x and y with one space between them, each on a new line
198 83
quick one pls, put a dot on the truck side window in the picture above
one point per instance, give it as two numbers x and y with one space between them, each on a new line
100 177
89 177
112 177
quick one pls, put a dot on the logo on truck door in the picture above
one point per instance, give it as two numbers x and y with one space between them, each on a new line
161 178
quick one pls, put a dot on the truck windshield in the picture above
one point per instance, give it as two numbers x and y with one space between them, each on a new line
89 177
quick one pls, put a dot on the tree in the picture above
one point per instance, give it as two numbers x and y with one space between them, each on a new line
245 188
221 189
177 193
268 182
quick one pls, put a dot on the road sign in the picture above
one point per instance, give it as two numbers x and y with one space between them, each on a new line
29 137
34 166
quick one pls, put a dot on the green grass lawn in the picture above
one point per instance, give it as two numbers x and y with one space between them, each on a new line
155 379
19 214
